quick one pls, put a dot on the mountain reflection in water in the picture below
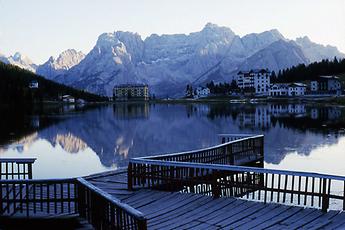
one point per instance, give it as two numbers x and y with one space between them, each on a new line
73 141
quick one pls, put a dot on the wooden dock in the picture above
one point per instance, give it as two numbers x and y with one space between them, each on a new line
221 187
175 210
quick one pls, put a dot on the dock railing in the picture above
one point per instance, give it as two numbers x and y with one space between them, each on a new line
243 149
104 211
16 168
37 197
176 173
55 197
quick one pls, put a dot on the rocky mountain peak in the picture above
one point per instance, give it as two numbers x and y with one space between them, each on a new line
66 60
170 61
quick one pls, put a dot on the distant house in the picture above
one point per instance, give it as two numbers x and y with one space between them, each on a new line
279 90
81 101
296 89
131 91
201 92
33 85
68 99
257 80
326 85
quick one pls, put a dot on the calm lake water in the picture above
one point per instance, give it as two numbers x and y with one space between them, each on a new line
69 141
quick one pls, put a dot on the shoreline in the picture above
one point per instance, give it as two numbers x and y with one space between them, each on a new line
340 101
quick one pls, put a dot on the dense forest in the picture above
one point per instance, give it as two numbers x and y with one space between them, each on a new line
310 72
14 88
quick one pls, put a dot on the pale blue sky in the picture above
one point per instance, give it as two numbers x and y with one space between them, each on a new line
41 28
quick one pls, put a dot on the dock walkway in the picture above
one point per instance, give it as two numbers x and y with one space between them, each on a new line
175 210
220 187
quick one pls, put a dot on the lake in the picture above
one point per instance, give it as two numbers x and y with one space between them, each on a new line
71 141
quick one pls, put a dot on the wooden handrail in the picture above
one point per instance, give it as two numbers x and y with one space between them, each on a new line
235 168
68 196
104 211
199 171
29 197
16 168
18 160
203 149
130 210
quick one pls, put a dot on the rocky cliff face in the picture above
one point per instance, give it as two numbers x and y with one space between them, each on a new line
316 52
278 55
54 67
168 62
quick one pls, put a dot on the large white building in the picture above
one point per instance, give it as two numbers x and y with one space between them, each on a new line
256 81
131 91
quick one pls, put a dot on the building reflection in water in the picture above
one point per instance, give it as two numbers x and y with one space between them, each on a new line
131 110
124 130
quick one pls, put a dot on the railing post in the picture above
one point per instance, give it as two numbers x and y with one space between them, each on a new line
325 196
262 147
215 186
142 224
1 209
30 170
191 179
81 200
129 176
231 155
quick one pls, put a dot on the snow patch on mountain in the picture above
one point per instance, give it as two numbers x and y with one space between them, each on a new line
66 60
19 60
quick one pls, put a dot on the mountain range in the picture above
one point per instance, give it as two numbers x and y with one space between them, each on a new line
168 62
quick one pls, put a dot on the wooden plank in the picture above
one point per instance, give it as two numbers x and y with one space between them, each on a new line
274 223
268 208
110 180
108 173
298 216
175 216
159 208
139 195
227 221
236 214
337 222
106 185
307 219
321 222
181 214
264 218
235 207
202 211
152 200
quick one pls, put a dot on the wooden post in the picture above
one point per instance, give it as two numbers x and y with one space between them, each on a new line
343 197
142 224
1 198
325 196
262 147
30 170
215 186
129 176
190 180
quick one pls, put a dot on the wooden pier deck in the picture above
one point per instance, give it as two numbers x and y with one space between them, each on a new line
221 187
175 210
